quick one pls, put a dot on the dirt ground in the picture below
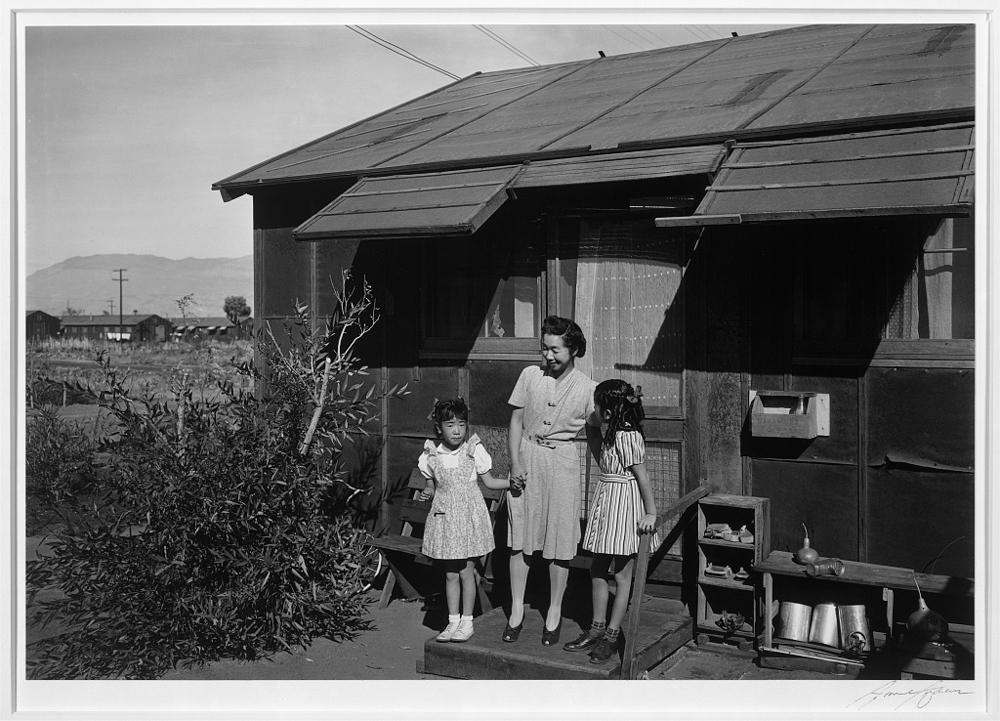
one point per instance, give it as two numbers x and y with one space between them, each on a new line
394 646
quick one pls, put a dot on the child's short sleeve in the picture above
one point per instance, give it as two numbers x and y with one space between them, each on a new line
483 461
424 467
631 448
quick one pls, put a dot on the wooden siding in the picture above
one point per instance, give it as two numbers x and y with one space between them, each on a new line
892 484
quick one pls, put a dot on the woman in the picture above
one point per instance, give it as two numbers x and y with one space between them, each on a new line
551 405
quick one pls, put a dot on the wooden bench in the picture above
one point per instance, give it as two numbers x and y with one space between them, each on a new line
408 542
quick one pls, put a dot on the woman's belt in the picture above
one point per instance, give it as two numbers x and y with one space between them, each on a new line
545 442
615 478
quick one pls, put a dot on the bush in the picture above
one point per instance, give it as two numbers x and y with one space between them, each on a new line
58 465
216 536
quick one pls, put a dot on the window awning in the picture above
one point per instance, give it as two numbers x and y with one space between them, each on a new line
618 167
925 170
458 202
455 202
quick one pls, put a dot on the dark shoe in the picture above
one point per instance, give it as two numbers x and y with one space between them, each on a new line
585 641
602 650
550 638
510 634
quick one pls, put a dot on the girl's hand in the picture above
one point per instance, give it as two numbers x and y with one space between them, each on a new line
427 494
517 483
647 523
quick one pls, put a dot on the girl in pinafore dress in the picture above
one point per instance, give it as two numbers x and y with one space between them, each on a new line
622 508
458 529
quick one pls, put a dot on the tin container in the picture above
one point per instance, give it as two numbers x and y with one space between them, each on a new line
794 620
855 635
824 627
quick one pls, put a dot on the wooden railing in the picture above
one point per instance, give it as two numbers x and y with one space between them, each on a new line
631 665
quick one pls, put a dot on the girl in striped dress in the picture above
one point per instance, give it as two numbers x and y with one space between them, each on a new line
622 508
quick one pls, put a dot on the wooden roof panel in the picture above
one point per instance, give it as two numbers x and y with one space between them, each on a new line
935 193
915 97
805 77
891 172
646 127
619 167
491 142
448 203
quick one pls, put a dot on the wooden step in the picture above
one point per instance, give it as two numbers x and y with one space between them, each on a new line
665 626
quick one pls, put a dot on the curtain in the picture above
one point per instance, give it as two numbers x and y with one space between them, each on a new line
924 306
627 302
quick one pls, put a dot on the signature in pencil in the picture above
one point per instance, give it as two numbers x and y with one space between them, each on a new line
920 696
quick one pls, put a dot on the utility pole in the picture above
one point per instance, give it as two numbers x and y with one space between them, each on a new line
121 322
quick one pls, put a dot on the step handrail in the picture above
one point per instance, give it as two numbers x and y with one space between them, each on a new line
629 670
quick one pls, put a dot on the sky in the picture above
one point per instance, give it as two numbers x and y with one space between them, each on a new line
127 128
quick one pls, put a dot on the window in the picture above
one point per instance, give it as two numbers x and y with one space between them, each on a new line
623 283
938 298
484 294
891 289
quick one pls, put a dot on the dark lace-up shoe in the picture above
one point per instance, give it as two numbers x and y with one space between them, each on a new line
602 651
585 641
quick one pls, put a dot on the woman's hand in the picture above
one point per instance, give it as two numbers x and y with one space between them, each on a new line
518 477
427 494
647 523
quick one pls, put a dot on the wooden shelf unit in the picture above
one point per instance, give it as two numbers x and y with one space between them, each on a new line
873 585
717 594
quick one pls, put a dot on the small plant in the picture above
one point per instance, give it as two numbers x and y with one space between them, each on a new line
228 527
58 465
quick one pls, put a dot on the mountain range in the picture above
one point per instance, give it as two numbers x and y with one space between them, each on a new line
152 284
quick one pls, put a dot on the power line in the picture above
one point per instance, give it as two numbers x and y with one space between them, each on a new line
398 50
655 39
629 41
493 36
658 37
697 33
636 33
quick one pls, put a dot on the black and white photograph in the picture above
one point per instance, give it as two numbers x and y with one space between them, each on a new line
354 351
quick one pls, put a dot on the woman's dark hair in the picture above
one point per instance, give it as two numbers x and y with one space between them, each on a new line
623 405
570 332
448 409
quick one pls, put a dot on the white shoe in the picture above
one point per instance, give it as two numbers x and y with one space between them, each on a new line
446 635
463 632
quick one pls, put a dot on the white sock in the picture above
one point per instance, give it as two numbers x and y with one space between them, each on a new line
453 618
466 618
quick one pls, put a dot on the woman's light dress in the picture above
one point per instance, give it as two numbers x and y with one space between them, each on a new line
546 515
458 524
613 520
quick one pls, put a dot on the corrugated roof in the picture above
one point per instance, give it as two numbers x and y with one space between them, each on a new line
833 76
206 320
89 320
893 172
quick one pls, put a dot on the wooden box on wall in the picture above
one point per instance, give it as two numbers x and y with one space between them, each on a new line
789 414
